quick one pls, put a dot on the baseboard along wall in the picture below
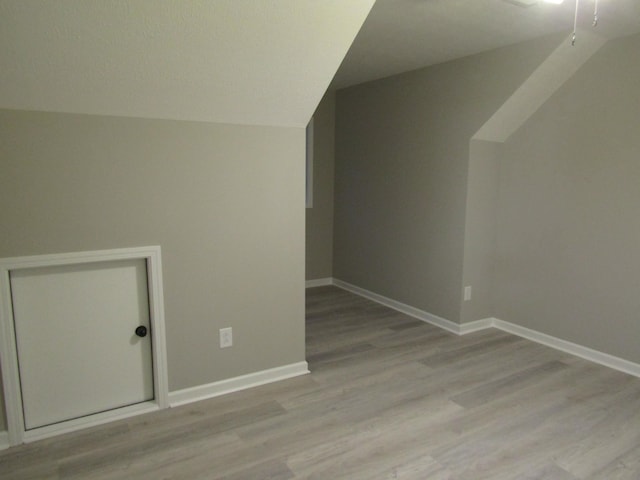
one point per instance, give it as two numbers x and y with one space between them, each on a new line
235 384
203 392
215 389
581 351
4 440
319 282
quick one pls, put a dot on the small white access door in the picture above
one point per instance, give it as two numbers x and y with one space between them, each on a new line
77 346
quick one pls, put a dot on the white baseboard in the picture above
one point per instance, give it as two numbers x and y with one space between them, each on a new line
89 421
319 282
475 326
4 440
594 356
404 308
215 389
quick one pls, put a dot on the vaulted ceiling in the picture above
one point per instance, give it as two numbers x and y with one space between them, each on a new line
249 61
403 35
233 61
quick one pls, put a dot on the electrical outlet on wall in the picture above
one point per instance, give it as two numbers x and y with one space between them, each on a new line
467 293
226 337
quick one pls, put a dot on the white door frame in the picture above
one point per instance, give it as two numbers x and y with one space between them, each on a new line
8 350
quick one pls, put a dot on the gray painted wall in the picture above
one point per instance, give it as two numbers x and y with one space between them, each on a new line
223 201
3 417
480 228
402 157
568 234
319 221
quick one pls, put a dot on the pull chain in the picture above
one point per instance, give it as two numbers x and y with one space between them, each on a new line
595 15
575 24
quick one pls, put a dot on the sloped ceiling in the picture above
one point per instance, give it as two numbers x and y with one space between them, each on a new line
402 35
232 61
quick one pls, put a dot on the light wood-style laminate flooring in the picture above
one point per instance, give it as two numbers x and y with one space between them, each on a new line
389 397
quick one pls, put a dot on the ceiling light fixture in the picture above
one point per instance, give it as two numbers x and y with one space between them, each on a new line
575 16
530 3
523 3
575 24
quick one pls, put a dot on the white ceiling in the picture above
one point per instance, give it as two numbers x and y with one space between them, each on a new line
264 62
403 35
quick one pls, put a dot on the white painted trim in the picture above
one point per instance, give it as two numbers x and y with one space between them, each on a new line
8 351
4 440
594 356
475 326
215 389
158 331
319 282
89 421
9 363
402 307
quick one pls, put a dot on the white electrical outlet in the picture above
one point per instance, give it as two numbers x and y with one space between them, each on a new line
467 294
226 337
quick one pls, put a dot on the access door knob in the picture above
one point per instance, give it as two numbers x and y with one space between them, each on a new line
141 331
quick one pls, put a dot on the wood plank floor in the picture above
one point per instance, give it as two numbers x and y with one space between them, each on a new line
389 397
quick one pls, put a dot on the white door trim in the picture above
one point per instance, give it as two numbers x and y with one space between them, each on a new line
8 352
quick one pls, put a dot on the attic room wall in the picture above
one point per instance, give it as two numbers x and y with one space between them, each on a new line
319 218
568 235
402 155
225 203
3 418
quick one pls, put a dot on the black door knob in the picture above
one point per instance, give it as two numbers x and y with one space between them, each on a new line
141 331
